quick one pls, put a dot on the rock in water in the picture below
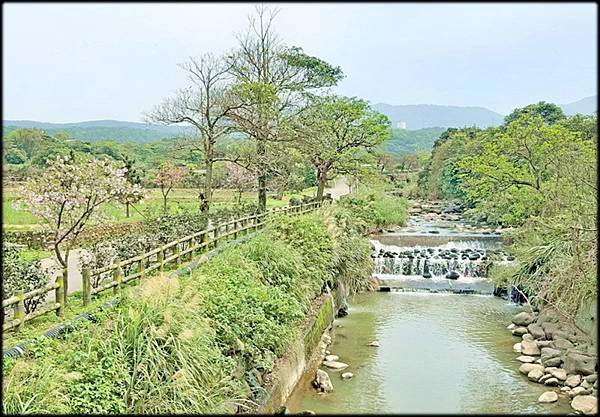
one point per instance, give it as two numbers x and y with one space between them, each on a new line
322 381
335 364
529 348
523 319
452 275
586 404
573 380
331 358
535 374
519 331
536 331
526 359
347 375
551 382
374 343
528 367
591 378
548 397
559 374
517 347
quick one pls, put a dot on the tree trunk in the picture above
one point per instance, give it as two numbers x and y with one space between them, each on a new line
165 203
322 179
262 178
208 163
127 210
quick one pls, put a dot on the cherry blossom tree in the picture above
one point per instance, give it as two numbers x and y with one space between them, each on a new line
239 178
167 177
67 198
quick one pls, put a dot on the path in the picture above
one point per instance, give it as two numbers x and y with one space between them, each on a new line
339 188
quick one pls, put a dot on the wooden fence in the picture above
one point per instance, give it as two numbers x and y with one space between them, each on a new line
114 276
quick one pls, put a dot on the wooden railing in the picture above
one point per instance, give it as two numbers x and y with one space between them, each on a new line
138 267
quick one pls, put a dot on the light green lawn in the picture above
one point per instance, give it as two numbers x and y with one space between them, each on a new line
178 200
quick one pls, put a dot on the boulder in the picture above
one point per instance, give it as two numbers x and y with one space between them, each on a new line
347 375
550 328
374 343
519 331
591 378
322 381
511 326
578 363
526 359
561 334
528 367
523 319
535 374
543 343
565 389
335 364
527 336
573 380
564 344
578 391
517 347
586 404
559 374
552 382
331 358
586 384
529 348
452 275
553 362
549 353
544 378
548 397
536 331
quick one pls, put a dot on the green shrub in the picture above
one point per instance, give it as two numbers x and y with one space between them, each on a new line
374 208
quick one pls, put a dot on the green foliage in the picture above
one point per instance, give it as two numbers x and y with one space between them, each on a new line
405 141
549 112
373 208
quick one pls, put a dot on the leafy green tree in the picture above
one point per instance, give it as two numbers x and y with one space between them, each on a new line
338 134
549 112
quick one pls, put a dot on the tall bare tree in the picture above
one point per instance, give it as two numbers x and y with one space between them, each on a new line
205 105
271 83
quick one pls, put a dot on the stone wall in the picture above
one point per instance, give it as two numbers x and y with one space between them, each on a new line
290 368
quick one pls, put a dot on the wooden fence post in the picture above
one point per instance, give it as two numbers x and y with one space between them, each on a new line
191 247
86 286
19 309
161 258
142 269
235 229
117 277
216 236
203 240
59 297
178 255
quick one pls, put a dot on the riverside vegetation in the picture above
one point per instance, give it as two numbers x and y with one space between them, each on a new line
204 342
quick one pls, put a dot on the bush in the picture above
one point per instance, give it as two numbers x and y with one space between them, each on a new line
374 208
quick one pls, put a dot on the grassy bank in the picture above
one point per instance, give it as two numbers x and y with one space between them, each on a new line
204 342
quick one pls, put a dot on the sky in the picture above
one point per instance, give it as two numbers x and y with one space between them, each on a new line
74 62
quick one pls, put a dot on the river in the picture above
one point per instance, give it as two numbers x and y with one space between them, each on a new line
439 352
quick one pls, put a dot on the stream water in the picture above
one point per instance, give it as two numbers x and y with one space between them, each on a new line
439 352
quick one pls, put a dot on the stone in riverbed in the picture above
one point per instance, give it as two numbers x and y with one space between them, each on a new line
578 391
536 331
586 384
544 378
347 375
548 397
551 382
526 359
586 404
573 380
322 381
517 347
529 348
528 367
560 343
543 343
511 326
559 374
335 364
591 378
549 353
528 337
332 358
535 374
519 331
553 362
523 319
374 343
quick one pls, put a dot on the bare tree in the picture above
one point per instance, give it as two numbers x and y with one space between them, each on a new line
205 105
271 82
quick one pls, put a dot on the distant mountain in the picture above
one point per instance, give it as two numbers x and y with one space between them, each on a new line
587 105
421 116
96 130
